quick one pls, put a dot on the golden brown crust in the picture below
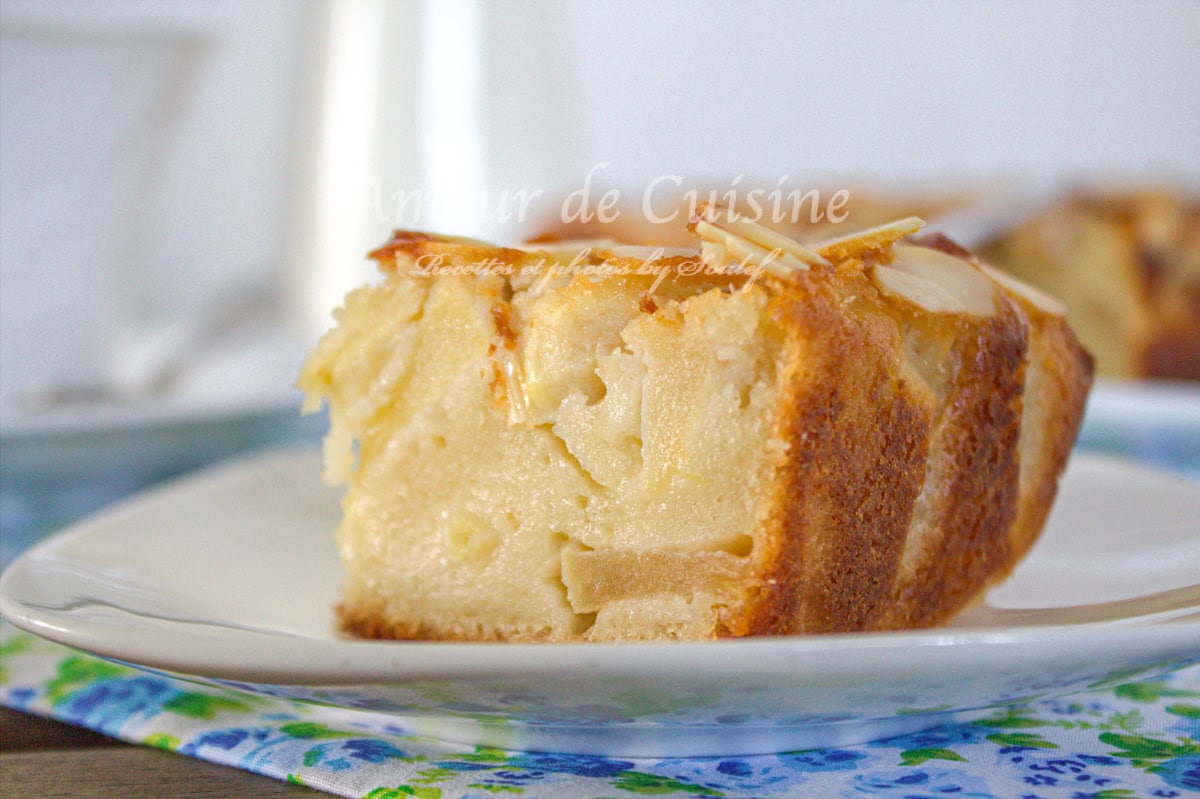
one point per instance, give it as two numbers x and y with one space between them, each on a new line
858 438
411 246
860 442
1059 379
978 435
366 623
373 623
860 445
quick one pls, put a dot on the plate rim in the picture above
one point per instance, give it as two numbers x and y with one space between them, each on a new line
342 661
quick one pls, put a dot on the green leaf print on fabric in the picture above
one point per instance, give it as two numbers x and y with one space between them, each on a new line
483 754
312 730
160 740
1013 720
203 706
915 757
1148 692
1187 711
13 646
1024 740
1129 722
418 792
640 782
1146 752
497 788
75 672
431 775
1017 718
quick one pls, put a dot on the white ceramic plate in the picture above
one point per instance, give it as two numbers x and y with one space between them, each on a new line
229 576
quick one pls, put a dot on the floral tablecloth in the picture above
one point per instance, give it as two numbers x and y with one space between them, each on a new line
1141 739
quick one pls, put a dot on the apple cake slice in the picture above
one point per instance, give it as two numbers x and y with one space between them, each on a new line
585 441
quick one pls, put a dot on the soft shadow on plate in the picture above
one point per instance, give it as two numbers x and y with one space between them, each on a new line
228 577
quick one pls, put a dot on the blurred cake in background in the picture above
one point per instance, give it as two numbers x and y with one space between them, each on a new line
1127 266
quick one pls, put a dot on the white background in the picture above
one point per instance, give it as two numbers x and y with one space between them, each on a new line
123 213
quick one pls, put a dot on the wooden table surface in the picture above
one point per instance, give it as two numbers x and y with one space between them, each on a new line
40 757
